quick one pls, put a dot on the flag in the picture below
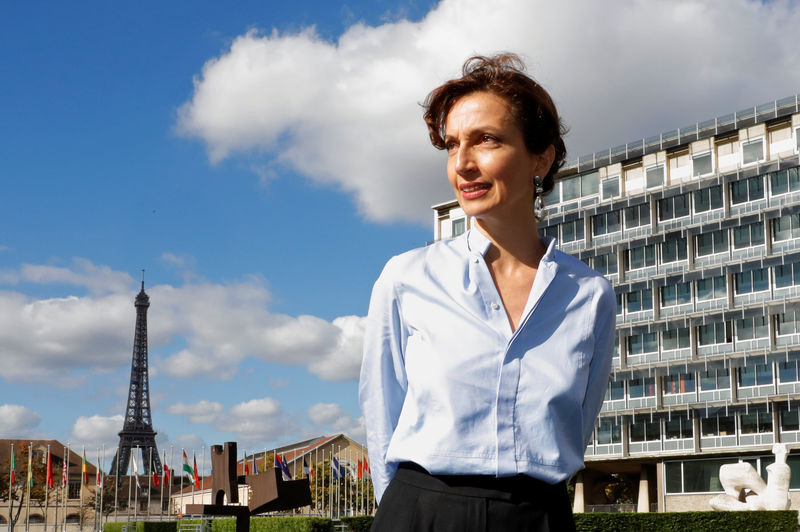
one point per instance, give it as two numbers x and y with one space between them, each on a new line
255 465
246 465
284 469
13 467
337 469
166 472
64 474
30 467
307 470
196 474
99 479
155 478
187 467
84 469
360 470
366 467
49 469
135 469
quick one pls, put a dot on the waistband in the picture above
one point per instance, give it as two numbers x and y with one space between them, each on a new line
516 488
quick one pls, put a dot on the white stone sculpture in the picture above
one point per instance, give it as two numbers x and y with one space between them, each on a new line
760 495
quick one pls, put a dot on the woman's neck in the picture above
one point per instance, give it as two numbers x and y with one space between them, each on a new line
513 244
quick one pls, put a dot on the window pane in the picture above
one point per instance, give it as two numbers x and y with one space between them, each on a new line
705 244
790 420
747 376
779 182
705 289
612 221
716 197
611 188
681 205
589 183
756 188
782 228
684 293
701 164
459 226
655 176
673 474
570 188
744 283
741 237
760 280
702 200
787 371
720 290
757 233
739 192
752 151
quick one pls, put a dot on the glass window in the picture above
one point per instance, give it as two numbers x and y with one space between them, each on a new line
637 215
712 288
751 281
675 338
606 264
755 421
605 223
718 425
755 375
572 231
787 323
747 190
710 243
676 294
677 426
701 164
589 183
701 476
570 188
752 151
788 372
786 227
639 344
608 432
714 333
645 430
787 275
708 198
679 383
642 257
459 226
751 328
615 390
789 419
610 187
674 207
748 235
619 304
673 250
655 176
642 387
550 231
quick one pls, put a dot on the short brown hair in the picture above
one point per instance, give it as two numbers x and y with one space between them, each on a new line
531 105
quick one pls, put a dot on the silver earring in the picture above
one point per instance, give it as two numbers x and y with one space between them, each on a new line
538 204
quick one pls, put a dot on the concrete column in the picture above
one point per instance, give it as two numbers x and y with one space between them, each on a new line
776 422
643 502
696 431
579 504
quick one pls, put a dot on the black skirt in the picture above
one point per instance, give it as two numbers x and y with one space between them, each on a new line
417 501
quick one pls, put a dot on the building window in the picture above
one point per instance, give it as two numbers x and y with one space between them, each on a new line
751 281
752 151
676 294
711 288
642 257
673 250
640 300
755 421
787 323
615 390
641 387
606 264
459 226
708 198
572 231
697 476
610 188
786 227
788 372
645 430
674 207
745 236
702 164
679 383
718 425
619 304
752 328
711 243
755 375
74 489
675 339
784 181
640 344
605 223
787 275
747 190
714 333
637 216
550 231
655 176
579 186
608 432
677 427
789 419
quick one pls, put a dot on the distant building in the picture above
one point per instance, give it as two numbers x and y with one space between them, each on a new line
698 229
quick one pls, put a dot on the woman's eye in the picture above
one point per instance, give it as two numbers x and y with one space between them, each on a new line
450 146
487 138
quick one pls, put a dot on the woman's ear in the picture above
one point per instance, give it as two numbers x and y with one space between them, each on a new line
543 161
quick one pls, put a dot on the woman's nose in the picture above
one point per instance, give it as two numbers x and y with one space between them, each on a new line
465 161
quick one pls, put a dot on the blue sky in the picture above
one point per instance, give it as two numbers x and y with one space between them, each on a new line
262 162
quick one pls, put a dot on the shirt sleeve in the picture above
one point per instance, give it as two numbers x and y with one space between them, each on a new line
383 384
600 365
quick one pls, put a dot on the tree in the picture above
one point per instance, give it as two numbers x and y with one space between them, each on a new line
39 491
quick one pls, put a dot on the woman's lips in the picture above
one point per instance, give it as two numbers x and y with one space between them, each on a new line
473 190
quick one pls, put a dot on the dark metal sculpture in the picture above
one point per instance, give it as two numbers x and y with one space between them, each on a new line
268 491
137 431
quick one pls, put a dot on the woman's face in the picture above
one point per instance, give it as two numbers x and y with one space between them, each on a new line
488 165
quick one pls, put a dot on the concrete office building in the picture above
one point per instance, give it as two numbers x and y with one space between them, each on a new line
698 229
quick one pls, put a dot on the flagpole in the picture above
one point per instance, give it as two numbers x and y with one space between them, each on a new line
130 487
11 473
203 479
102 485
149 479
66 485
48 478
169 493
194 480
28 480
116 485
180 510
136 493
163 485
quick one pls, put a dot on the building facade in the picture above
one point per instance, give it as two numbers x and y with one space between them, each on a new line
698 229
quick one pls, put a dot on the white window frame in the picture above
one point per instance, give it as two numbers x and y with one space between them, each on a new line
648 186
709 152
603 197
763 158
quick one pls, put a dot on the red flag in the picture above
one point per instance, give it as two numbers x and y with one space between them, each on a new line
64 473
99 479
155 479
360 469
366 467
85 469
166 475
13 467
49 469
196 474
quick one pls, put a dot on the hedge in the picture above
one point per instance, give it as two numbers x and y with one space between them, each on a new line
257 524
358 524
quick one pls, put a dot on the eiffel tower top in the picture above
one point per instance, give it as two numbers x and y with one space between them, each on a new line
142 299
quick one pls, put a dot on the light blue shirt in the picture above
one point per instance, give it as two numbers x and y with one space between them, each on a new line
447 384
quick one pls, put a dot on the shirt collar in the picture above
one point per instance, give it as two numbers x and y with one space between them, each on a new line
477 242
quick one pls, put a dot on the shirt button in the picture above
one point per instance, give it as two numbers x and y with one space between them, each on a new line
495 306
475 260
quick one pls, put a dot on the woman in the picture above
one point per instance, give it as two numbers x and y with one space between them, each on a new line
486 357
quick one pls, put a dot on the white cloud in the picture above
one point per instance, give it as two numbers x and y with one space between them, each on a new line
200 412
331 418
98 430
212 326
17 421
82 272
345 113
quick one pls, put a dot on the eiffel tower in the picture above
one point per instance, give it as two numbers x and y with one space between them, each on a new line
137 431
